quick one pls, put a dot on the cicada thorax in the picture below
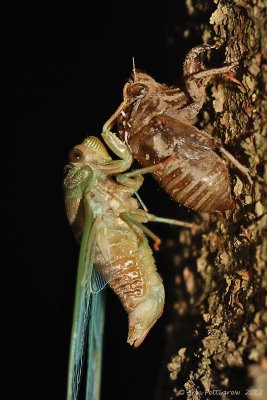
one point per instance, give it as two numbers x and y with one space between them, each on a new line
125 260
193 174
145 98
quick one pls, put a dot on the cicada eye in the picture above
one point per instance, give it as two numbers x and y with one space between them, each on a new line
76 155
136 90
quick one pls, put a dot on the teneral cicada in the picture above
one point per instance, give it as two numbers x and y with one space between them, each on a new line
156 121
106 218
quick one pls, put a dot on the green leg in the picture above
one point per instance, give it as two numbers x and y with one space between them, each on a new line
154 218
126 178
121 150
141 202
141 217
134 183
134 219
117 146
110 122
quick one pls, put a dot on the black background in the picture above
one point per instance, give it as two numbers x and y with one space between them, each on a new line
63 78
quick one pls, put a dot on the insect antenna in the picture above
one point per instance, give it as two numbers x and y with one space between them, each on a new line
134 69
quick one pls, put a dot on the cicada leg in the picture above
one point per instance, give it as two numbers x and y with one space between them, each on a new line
197 76
116 145
170 221
134 178
217 144
244 170
112 141
115 167
125 179
141 202
140 217
121 150
134 218
110 122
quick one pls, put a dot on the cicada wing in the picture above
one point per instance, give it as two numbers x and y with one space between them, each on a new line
82 304
95 345
98 281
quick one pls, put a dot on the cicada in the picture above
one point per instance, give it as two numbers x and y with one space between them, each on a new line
108 222
156 121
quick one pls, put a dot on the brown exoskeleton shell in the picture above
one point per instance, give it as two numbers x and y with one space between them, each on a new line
194 175
156 121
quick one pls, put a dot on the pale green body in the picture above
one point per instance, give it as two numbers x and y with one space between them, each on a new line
107 220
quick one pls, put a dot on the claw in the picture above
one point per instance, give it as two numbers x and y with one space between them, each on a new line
157 244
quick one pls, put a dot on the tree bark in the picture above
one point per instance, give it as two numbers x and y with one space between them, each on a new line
219 331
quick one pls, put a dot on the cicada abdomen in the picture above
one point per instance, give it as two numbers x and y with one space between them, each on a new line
125 260
193 175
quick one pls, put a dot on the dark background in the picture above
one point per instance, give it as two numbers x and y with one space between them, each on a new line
63 78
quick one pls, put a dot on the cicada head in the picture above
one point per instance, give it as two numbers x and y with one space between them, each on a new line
82 160
96 149
137 87
88 152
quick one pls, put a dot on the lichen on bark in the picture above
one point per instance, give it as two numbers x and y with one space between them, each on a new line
228 253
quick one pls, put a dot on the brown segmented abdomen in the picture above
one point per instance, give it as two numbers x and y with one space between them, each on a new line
193 175
125 259
127 280
201 186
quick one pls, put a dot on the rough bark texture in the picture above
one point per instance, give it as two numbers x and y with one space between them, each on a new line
223 266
